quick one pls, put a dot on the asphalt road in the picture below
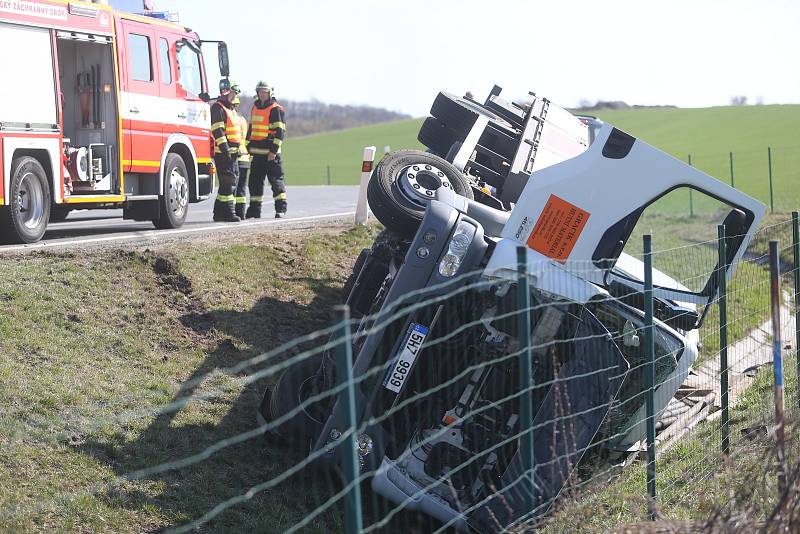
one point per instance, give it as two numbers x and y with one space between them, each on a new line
306 203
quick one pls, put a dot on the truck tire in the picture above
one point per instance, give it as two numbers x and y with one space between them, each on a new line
435 135
351 280
289 392
459 113
24 219
174 202
404 182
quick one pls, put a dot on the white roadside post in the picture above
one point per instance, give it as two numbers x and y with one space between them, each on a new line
366 171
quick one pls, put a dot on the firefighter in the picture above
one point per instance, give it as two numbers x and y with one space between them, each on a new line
243 163
227 135
264 139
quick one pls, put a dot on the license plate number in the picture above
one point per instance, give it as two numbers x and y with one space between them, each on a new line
397 375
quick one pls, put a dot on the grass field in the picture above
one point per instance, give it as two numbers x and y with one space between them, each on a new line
307 158
708 134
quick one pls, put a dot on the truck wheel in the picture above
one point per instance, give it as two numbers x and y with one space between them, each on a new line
403 184
435 135
459 113
295 385
351 280
174 203
25 217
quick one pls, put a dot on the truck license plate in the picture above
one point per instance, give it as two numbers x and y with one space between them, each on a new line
402 368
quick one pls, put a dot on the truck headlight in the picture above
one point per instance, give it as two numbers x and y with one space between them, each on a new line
456 249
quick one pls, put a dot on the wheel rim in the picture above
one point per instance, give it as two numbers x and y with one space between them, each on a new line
30 199
418 183
178 195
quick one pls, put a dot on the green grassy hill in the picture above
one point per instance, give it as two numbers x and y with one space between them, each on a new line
307 159
708 134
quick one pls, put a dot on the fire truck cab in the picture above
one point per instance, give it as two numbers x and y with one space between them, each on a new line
99 109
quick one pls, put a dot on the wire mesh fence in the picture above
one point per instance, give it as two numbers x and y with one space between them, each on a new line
501 402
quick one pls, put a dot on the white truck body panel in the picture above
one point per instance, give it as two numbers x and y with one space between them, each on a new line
27 67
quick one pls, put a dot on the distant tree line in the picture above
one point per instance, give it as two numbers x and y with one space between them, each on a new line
306 118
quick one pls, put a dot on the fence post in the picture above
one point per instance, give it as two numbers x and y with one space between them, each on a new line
525 376
775 298
731 158
771 197
796 258
347 403
691 204
650 374
722 281
366 172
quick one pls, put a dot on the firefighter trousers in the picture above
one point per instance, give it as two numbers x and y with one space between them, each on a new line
261 168
228 175
241 188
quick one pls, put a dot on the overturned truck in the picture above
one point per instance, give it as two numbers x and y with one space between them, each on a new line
438 343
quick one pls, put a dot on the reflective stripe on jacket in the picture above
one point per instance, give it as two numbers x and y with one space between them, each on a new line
267 128
225 129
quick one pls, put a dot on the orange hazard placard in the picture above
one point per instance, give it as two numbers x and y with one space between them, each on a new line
557 229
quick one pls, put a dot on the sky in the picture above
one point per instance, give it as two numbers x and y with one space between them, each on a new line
398 55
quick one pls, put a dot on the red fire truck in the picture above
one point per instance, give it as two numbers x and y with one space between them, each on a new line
98 109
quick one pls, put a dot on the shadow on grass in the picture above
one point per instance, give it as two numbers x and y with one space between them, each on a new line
178 496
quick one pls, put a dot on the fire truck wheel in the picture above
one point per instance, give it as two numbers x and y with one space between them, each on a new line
435 135
25 217
174 203
404 182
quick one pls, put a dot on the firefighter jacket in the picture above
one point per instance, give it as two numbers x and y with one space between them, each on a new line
244 157
267 128
225 128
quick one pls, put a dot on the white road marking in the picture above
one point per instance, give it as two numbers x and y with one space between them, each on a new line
162 233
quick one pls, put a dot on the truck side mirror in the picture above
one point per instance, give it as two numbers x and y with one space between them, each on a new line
224 64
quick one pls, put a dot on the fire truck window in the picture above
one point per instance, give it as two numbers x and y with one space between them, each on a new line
141 63
163 53
189 75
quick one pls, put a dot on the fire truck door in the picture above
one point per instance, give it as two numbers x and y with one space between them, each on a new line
140 103
189 114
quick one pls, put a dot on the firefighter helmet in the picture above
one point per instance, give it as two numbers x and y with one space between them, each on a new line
235 87
265 86
224 86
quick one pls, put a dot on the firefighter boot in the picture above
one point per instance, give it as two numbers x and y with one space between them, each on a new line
239 210
225 212
254 210
280 206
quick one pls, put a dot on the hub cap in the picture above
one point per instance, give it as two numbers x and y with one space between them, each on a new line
419 183
31 201
178 194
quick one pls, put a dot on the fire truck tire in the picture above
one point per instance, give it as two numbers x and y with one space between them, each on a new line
402 184
24 219
174 203
435 135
